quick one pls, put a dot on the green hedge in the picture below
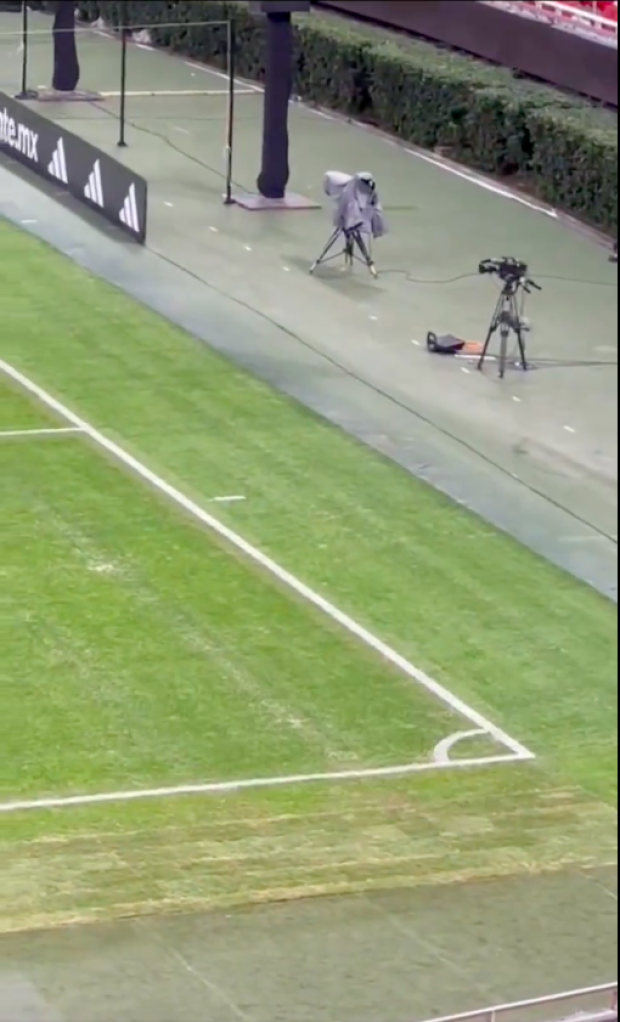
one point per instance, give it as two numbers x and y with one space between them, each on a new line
559 147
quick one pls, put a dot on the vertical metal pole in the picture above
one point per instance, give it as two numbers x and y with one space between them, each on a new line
25 92
122 141
230 117
24 48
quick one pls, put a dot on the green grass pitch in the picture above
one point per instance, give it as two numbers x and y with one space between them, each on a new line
142 651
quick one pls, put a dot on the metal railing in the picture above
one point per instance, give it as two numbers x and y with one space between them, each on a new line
579 19
590 1004
587 16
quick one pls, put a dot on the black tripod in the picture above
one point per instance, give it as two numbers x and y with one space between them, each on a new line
508 319
355 248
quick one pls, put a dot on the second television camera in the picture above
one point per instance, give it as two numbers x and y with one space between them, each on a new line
508 269
508 316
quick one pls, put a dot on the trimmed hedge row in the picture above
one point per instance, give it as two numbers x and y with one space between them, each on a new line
562 148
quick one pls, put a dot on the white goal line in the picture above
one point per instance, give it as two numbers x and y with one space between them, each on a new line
284 577
13 434
255 783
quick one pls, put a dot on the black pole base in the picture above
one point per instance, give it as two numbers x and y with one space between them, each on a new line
27 94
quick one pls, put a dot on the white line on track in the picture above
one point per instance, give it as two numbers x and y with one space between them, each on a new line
205 69
171 93
480 722
229 787
59 431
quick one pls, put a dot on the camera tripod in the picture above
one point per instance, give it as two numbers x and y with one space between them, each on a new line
508 320
355 248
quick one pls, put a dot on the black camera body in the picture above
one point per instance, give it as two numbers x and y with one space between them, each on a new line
507 268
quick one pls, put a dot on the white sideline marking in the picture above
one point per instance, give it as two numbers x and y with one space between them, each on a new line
270 566
474 179
7 433
443 164
228 787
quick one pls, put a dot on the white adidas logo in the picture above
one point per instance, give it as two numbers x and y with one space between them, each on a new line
57 167
94 186
129 213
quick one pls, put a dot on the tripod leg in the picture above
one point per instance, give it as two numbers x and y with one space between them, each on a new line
515 326
485 346
520 337
495 322
366 256
330 244
503 349
522 355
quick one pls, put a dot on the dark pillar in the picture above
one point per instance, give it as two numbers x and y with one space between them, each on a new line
274 173
66 64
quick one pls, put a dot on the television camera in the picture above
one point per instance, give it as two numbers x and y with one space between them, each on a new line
508 315
358 218
507 268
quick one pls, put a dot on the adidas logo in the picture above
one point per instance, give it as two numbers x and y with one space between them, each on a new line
129 213
57 167
94 186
